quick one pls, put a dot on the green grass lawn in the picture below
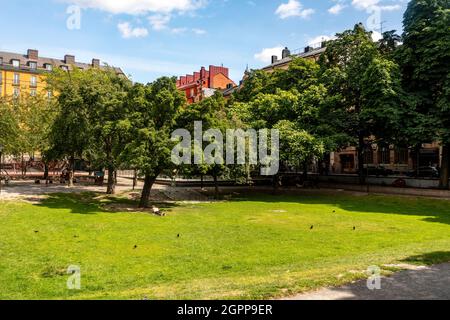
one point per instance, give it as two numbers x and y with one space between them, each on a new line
257 247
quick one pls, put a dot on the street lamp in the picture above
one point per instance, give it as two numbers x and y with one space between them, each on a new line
1 166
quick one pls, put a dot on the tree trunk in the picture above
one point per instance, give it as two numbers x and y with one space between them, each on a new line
445 167
305 172
275 183
23 167
361 147
216 187
111 189
46 171
71 170
135 180
149 181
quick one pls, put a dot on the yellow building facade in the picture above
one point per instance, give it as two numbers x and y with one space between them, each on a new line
16 83
24 74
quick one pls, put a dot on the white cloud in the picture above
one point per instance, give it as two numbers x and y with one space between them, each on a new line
370 5
376 36
159 21
178 30
336 9
317 41
391 7
199 32
364 4
140 6
266 54
293 9
127 31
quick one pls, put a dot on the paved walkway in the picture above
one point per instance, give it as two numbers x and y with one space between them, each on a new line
424 283
29 191
23 189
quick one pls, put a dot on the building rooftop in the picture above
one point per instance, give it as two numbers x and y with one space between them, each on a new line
204 76
25 60
309 52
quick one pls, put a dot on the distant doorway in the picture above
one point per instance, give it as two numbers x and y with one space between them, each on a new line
347 163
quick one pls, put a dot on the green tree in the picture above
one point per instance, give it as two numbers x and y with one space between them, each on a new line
152 111
364 87
71 131
9 127
37 118
256 82
425 63
389 43
290 100
212 113
298 146
104 94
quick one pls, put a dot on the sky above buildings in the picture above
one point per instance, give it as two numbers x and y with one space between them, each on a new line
152 38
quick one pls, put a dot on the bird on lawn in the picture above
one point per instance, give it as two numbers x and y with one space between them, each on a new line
36 231
354 228
135 247
312 227
178 235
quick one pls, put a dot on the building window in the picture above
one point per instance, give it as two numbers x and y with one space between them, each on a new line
384 156
368 156
16 80
48 67
16 92
33 92
33 81
49 94
65 68
1 61
16 63
401 156
33 65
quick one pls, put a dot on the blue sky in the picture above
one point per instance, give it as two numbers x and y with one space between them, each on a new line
152 38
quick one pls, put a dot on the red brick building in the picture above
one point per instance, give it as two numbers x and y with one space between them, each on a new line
203 84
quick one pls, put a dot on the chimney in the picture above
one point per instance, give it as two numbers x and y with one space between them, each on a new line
286 53
308 49
33 54
274 59
95 63
69 59
202 73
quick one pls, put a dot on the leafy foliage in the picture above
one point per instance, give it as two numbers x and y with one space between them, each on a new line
152 113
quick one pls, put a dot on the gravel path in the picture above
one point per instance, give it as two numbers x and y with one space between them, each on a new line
29 191
423 283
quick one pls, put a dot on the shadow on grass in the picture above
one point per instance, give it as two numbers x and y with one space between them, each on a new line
429 258
432 210
436 211
93 203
